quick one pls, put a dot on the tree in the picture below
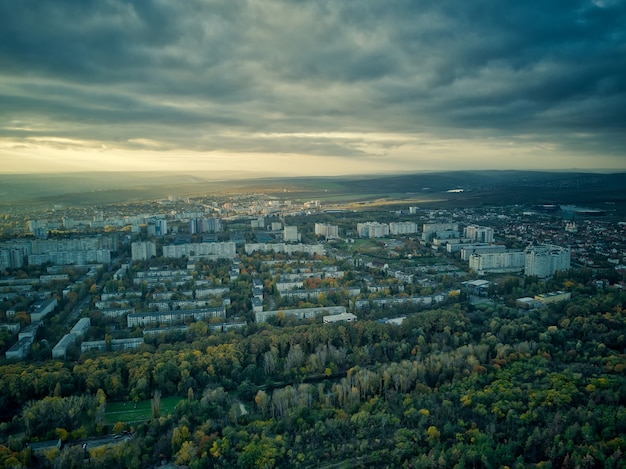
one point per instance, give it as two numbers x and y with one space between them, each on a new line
156 404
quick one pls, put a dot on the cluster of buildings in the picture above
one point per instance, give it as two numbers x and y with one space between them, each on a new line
539 261
476 246
145 250
178 297
375 229
17 253
26 336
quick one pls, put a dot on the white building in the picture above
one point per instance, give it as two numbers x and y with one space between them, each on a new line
169 317
440 231
341 317
300 313
60 349
290 234
143 250
285 248
115 344
402 228
157 227
257 222
480 234
543 261
372 229
226 250
20 349
509 261
468 250
42 308
81 327
326 230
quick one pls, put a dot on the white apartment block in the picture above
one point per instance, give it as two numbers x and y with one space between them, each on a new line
372 229
257 222
157 227
285 248
509 261
290 234
11 258
545 260
60 349
143 250
480 234
300 313
41 309
326 230
100 256
115 344
469 250
402 228
226 250
168 317
81 327
440 231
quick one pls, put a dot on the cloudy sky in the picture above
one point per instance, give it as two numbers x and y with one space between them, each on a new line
312 87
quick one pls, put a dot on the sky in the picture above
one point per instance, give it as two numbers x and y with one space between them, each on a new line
312 87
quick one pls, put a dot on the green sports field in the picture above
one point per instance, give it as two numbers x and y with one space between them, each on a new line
140 411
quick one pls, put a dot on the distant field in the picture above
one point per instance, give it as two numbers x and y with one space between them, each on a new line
481 189
127 412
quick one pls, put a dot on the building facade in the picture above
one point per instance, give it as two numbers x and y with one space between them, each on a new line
142 250
480 234
545 260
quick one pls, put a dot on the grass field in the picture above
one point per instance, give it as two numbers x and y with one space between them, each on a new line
364 245
127 412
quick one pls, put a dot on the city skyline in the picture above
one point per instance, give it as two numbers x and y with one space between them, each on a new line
318 88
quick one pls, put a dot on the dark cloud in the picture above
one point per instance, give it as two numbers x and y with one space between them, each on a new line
192 74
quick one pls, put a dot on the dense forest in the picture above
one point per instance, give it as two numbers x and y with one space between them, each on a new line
461 386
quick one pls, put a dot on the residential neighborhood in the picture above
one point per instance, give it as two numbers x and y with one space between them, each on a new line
156 267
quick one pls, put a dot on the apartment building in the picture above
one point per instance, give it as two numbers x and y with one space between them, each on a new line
372 229
142 250
508 261
480 234
545 260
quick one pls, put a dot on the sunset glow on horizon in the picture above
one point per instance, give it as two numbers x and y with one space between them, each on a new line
316 88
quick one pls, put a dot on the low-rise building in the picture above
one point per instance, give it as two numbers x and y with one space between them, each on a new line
477 287
14 328
553 297
300 313
60 349
257 305
30 330
527 302
169 317
19 350
341 317
115 344
81 327
42 308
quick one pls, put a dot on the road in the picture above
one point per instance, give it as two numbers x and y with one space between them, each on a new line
73 316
